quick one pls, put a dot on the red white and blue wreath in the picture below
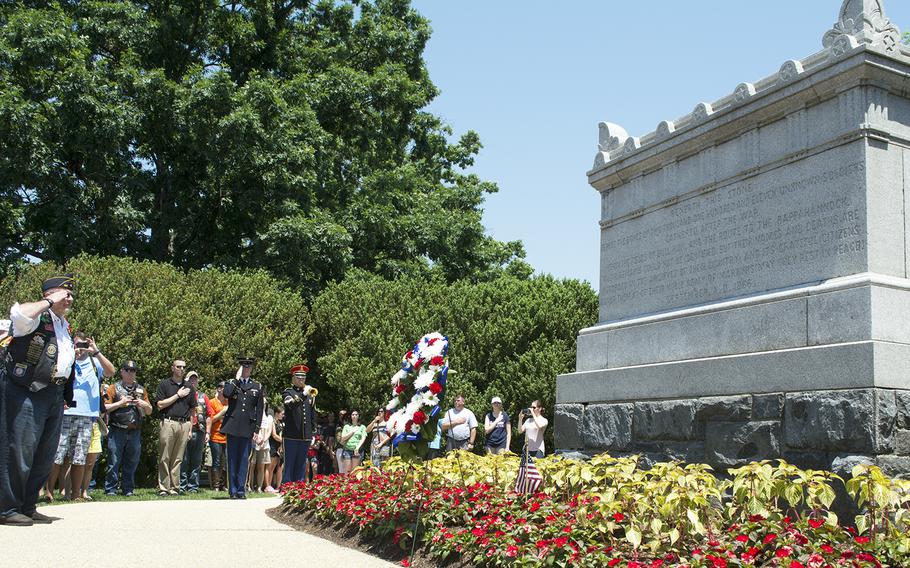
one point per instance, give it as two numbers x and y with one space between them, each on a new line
417 389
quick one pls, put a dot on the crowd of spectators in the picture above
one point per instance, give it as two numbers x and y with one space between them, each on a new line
191 443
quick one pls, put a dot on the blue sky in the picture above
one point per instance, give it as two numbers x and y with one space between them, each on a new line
534 79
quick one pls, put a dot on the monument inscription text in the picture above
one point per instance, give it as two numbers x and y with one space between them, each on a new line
749 237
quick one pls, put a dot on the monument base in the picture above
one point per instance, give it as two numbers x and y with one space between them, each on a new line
794 394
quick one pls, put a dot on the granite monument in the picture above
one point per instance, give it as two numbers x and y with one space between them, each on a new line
755 270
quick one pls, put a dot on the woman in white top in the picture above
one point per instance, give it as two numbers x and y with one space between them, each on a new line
533 425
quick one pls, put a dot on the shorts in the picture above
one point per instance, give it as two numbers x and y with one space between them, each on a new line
75 438
349 454
261 457
94 447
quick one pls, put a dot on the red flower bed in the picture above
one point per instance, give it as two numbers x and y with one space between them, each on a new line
490 527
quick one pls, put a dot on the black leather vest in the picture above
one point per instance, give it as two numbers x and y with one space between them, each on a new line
129 416
31 360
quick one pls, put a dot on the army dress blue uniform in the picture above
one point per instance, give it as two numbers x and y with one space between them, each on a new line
299 417
242 419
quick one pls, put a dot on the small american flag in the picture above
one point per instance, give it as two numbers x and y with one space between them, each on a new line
529 479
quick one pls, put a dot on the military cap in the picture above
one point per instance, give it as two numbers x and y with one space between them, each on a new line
67 282
245 359
299 370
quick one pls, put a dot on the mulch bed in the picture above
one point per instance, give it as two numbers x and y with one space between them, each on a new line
349 537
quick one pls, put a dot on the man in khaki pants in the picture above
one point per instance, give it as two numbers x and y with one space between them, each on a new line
176 402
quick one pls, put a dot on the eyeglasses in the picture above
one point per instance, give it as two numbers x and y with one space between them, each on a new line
127 370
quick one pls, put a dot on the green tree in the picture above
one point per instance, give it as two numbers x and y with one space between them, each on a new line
288 135
509 337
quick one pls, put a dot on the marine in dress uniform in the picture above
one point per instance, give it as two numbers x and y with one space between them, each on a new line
299 418
241 424
36 376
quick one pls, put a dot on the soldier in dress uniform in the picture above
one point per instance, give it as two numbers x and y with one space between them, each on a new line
299 418
36 377
241 424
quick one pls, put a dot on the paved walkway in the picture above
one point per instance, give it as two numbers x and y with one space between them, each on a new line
161 533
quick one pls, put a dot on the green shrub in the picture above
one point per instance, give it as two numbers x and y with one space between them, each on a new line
154 313
509 337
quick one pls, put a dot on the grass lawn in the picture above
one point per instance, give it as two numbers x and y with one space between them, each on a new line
151 494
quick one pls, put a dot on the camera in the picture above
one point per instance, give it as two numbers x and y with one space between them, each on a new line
81 345
526 411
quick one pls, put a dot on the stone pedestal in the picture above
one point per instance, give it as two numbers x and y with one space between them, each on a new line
755 254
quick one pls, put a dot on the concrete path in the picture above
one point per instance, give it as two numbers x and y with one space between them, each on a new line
217 532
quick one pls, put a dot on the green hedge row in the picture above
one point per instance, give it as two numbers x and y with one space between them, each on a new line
510 337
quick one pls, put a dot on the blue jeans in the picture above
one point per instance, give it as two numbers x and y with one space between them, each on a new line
192 461
218 450
295 460
31 431
123 450
238 462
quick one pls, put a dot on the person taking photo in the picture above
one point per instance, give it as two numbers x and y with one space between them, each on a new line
532 424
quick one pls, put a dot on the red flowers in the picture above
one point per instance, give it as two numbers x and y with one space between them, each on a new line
419 417
486 521
784 552
435 387
437 361
399 388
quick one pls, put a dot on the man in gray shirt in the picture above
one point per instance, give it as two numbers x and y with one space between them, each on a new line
460 427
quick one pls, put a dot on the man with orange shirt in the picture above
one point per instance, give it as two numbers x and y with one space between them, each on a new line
126 404
217 440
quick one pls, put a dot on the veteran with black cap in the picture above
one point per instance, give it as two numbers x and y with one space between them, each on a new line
299 417
246 402
36 377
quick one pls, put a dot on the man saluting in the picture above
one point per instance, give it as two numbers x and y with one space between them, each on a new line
35 378
299 416
241 424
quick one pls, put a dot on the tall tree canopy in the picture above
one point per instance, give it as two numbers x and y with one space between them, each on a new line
282 134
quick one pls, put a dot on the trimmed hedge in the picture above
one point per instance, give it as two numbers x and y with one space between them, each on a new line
509 338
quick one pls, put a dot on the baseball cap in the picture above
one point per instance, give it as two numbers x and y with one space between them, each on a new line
129 365
495 400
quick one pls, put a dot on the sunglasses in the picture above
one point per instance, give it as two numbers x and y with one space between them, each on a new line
129 370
